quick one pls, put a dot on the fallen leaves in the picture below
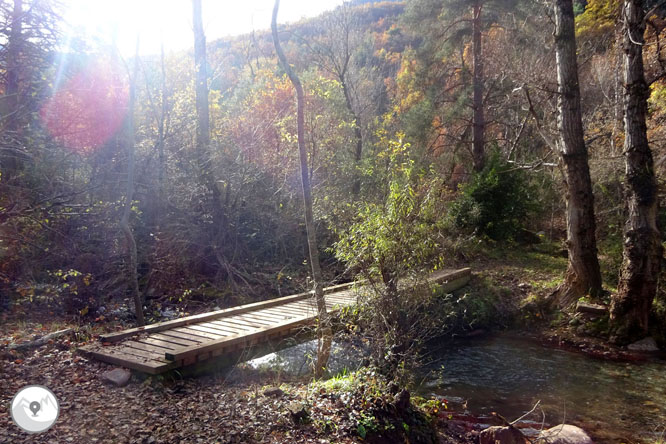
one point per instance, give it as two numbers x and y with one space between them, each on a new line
151 410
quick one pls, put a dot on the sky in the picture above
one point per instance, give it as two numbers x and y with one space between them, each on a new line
171 20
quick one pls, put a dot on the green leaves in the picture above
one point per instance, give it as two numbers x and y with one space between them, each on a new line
495 203
399 236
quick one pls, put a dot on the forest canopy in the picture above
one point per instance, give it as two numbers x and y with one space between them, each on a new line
439 115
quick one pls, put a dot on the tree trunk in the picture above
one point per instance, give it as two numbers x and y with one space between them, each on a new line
323 330
203 154
641 262
583 274
478 122
358 135
129 195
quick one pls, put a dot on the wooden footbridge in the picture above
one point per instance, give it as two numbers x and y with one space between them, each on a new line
164 346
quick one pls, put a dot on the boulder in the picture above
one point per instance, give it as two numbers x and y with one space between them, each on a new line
118 377
502 435
644 345
564 434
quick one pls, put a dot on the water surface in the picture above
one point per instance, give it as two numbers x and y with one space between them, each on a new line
616 402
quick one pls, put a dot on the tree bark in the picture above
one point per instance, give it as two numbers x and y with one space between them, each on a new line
583 274
641 262
323 329
129 195
203 148
478 122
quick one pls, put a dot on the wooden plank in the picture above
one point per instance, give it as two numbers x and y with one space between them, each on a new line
304 306
253 319
455 284
152 367
235 321
342 296
449 276
171 339
187 352
278 311
295 310
226 329
158 342
341 301
263 314
202 333
141 355
185 336
146 347
160 326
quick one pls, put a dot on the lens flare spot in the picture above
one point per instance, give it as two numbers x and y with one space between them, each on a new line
88 108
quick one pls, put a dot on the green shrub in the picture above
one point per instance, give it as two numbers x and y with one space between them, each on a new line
496 202
400 236
397 241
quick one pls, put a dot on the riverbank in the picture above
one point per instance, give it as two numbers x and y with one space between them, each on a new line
462 385
242 405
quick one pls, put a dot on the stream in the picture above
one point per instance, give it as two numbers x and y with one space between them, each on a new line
615 402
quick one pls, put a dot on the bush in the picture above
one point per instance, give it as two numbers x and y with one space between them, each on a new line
397 241
495 202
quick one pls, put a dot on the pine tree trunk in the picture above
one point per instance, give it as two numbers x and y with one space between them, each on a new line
583 274
478 122
323 331
641 263
129 196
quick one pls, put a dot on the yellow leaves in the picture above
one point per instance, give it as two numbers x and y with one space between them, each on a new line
657 100
598 19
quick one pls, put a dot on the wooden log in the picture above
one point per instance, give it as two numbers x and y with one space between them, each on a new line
40 341
595 309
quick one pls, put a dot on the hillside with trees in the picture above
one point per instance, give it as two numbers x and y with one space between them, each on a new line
377 142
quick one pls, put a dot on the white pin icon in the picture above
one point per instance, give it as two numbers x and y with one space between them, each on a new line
34 409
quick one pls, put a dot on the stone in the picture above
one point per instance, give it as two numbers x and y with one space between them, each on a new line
645 345
118 377
273 392
564 434
595 309
298 412
502 435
